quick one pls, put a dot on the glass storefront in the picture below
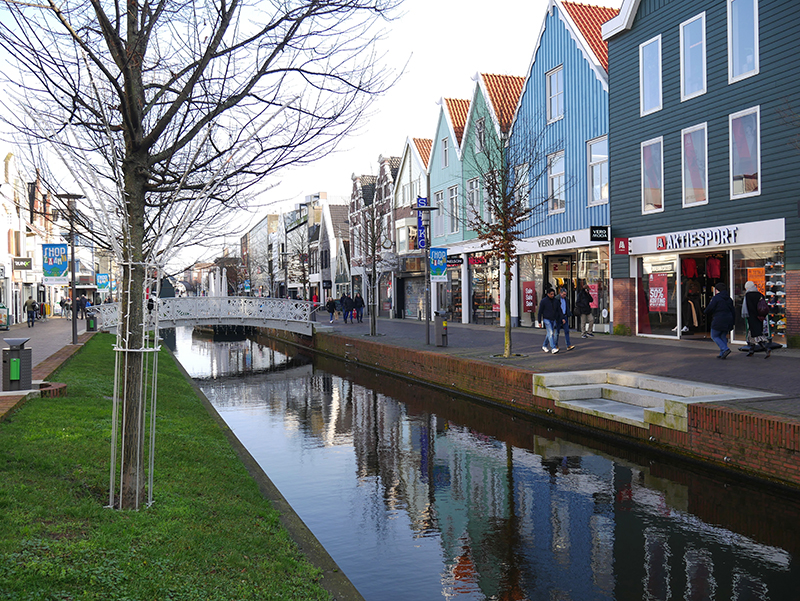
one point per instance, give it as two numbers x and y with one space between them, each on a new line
657 295
449 294
764 266
484 275
385 295
413 305
531 278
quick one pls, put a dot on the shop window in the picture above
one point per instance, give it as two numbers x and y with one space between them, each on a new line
693 57
763 265
650 76
656 296
598 171
742 39
652 176
745 151
694 158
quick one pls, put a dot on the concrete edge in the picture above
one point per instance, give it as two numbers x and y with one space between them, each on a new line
333 578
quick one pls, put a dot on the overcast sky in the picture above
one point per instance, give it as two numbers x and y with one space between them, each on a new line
446 42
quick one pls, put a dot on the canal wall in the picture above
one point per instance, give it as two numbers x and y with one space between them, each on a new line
752 444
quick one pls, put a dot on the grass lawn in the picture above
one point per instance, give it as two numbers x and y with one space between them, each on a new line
209 534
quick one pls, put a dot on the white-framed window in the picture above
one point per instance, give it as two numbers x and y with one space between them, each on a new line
489 185
555 177
445 152
653 176
555 94
694 162
402 239
650 76
521 184
438 219
693 57
742 39
473 199
597 155
480 135
452 201
745 152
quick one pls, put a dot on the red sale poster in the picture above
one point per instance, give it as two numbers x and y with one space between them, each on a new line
593 289
529 296
658 292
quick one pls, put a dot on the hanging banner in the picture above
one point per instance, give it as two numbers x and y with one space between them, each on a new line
529 297
438 261
102 281
594 290
422 233
658 292
55 265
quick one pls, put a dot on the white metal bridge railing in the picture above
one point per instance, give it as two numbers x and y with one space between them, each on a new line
281 313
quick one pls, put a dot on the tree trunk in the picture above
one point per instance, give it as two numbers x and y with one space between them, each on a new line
507 306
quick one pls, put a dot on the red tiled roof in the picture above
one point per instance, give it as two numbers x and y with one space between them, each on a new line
504 92
458 110
589 20
424 149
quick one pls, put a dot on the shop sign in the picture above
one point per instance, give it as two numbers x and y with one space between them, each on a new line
55 264
720 236
102 281
438 264
529 296
621 246
658 292
557 241
455 261
422 235
326 284
23 263
598 233
476 260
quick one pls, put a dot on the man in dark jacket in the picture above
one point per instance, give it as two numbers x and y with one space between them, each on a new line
583 307
723 318
550 315
347 307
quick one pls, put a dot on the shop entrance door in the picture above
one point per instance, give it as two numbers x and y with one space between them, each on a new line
560 273
700 272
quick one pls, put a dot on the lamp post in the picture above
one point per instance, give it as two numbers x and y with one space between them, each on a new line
71 200
423 231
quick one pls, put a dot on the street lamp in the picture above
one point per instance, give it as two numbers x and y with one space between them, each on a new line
71 200
423 235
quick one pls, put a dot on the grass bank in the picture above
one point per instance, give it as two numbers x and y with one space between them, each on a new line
209 535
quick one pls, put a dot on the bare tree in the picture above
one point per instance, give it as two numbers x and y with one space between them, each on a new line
299 253
508 173
162 108
378 255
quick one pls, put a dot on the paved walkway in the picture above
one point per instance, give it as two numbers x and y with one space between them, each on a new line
688 359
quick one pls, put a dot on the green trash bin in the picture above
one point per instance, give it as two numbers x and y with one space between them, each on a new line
91 322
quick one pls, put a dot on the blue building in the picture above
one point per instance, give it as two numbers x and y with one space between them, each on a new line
703 148
559 141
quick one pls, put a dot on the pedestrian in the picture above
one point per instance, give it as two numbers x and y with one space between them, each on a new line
61 304
723 318
30 307
583 307
82 307
756 338
347 307
550 315
330 306
358 303
563 323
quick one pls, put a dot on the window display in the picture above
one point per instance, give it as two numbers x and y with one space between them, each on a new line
764 266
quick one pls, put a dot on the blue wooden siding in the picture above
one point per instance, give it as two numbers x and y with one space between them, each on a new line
442 179
773 89
585 118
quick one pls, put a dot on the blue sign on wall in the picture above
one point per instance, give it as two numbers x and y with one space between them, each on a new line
422 235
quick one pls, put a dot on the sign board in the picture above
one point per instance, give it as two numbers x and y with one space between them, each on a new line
23 263
758 277
438 261
422 235
327 284
621 246
102 281
529 297
658 292
598 233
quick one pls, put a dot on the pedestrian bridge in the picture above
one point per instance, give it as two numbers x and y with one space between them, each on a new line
278 313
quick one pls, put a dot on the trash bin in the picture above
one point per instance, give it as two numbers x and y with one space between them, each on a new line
440 328
17 365
91 322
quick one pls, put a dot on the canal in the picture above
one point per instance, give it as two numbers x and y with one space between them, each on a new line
420 495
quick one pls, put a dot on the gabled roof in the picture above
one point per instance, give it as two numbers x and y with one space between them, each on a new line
423 146
623 21
503 92
457 111
589 20
339 221
367 183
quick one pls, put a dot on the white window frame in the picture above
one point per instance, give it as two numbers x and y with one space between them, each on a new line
453 208
551 177
521 194
704 88
548 78
445 153
684 132
438 220
642 111
488 215
659 140
757 111
590 171
480 135
731 77
473 198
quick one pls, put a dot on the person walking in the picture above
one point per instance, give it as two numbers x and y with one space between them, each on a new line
358 303
723 317
30 308
583 307
563 323
550 315
347 307
755 323
330 306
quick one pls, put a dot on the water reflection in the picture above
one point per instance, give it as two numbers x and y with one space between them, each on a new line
418 495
